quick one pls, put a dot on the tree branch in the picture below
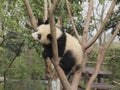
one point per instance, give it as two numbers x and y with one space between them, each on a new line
113 36
77 75
31 15
2 40
58 69
48 73
85 31
98 65
45 10
54 6
103 24
101 55
5 72
72 21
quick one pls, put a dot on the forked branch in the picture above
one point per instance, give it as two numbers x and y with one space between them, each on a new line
86 27
101 55
103 24
58 69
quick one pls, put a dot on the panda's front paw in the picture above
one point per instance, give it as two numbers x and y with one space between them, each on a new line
44 54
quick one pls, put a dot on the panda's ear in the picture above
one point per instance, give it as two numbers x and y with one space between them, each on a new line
40 21
46 21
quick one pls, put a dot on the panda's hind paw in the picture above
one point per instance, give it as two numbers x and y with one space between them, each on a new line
75 68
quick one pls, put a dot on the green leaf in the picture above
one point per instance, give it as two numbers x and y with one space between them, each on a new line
101 1
1 49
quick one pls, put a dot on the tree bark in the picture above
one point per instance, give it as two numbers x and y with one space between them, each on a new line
9 66
101 54
86 27
55 60
72 21
103 24
31 15
45 10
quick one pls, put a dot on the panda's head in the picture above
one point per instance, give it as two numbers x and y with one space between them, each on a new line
43 33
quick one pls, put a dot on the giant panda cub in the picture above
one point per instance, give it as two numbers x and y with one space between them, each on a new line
69 49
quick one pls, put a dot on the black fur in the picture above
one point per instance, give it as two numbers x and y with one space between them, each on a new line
61 46
47 51
67 62
67 59
46 22
40 21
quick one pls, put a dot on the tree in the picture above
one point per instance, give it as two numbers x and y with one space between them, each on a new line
87 47
15 40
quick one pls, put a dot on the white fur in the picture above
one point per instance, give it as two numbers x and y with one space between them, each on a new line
71 42
73 45
45 30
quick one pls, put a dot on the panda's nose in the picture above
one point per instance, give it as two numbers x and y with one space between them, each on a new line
39 36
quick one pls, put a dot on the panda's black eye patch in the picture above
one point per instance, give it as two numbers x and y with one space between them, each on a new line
39 36
49 36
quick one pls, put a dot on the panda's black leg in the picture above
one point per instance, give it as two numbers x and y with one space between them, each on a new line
44 54
67 62
78 67
47 53
75 68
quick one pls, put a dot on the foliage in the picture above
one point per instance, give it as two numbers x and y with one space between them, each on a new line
37 7
114 62
76 9
13 30
111 61
114 20
29 64
101 1
26 85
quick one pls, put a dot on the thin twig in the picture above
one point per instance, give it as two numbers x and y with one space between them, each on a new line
54 6
85 53
85 31
2 40
5 72
72 22
31 15
103 24
113 37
